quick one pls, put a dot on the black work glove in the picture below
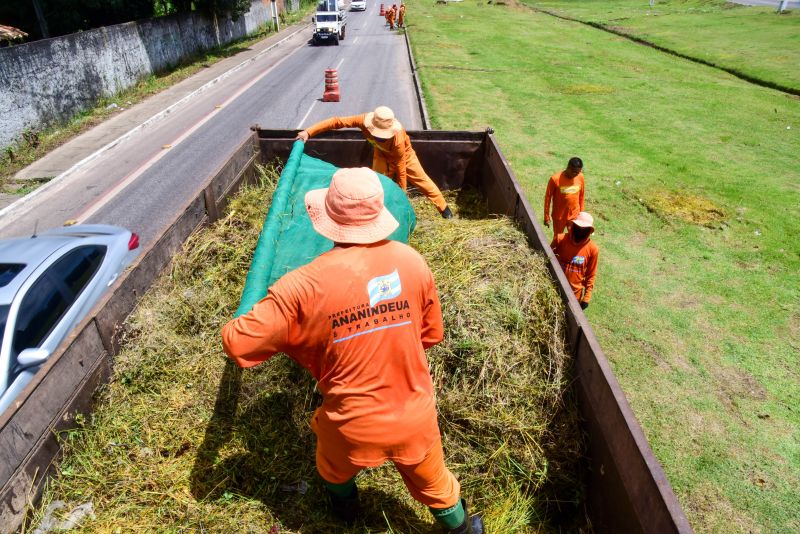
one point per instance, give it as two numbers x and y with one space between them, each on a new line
584 305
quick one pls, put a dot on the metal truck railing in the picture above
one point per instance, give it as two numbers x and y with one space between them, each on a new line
627 488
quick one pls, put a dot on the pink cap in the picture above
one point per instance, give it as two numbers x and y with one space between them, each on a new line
584 220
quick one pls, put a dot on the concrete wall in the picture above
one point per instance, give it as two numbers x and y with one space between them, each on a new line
52 79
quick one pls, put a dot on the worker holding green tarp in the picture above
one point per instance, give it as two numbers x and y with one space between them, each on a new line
359 318
392 153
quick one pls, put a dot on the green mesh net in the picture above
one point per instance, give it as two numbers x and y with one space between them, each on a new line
288 240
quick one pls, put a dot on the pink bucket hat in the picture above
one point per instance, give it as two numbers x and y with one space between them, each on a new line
584 220
351 210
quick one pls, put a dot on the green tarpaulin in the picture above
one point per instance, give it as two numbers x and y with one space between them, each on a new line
288 240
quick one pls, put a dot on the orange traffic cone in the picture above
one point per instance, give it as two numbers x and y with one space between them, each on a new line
382 13
331 93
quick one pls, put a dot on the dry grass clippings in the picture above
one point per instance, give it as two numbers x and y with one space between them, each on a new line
183 440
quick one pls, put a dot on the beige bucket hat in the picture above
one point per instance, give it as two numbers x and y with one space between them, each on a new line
381 123
351 210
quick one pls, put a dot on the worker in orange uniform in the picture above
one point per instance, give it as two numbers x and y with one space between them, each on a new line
401 17
565 191
392 154
578 256
390 13
359 318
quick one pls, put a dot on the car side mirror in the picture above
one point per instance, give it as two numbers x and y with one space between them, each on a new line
32 357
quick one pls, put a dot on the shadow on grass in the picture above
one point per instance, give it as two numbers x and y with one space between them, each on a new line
277 467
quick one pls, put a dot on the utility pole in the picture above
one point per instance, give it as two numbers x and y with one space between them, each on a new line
274 10
40 18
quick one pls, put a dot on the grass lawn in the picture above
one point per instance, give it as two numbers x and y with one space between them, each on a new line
692 176
753 40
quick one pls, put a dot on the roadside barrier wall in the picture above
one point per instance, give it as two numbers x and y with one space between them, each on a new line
50 80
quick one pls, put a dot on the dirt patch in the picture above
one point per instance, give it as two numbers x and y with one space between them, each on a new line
736 385
710 511
586 89
693 209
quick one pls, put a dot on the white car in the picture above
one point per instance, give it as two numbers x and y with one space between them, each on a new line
358 5
48 283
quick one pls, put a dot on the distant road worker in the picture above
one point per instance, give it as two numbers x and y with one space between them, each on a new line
392 154
359 318
401 17
390 13
578 255
565 191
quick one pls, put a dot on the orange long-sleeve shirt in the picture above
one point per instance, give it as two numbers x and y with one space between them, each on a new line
359 318
396 151
579 263
566 195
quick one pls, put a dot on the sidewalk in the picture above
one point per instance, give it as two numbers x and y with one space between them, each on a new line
86 146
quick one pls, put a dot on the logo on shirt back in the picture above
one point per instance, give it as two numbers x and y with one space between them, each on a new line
570 189
366 318
384 287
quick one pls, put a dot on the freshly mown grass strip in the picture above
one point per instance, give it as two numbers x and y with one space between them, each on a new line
692 177
754 41
183 440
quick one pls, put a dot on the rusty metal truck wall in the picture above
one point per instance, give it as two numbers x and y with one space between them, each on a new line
628 491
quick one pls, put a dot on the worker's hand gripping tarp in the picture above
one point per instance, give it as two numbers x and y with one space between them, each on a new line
288 240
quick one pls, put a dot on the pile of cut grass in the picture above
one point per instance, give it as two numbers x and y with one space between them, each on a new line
183 440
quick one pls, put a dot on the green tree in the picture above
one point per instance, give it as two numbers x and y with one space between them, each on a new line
236 8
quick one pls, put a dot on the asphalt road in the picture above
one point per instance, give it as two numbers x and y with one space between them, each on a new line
141 183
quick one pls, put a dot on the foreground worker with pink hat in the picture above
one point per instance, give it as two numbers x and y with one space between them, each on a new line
392 154
578 256
359 318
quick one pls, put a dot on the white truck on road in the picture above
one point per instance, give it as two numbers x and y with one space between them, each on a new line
330 22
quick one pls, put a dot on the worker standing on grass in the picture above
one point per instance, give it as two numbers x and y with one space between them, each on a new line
392 154
565 191
578 254
359 318
402 16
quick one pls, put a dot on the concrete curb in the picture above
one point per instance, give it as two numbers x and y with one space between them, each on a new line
153 119
423 109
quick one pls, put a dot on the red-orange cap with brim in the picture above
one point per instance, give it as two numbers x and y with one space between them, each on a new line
381 123
351 210
584 220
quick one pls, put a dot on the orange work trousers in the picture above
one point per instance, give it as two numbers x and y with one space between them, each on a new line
429 481
559 225
415 175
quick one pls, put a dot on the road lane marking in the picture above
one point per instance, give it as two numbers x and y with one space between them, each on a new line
127 180
339 64
56 182
355 40
300 126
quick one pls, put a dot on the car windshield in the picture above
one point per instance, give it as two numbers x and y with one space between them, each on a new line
3 317
326 18
8 271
